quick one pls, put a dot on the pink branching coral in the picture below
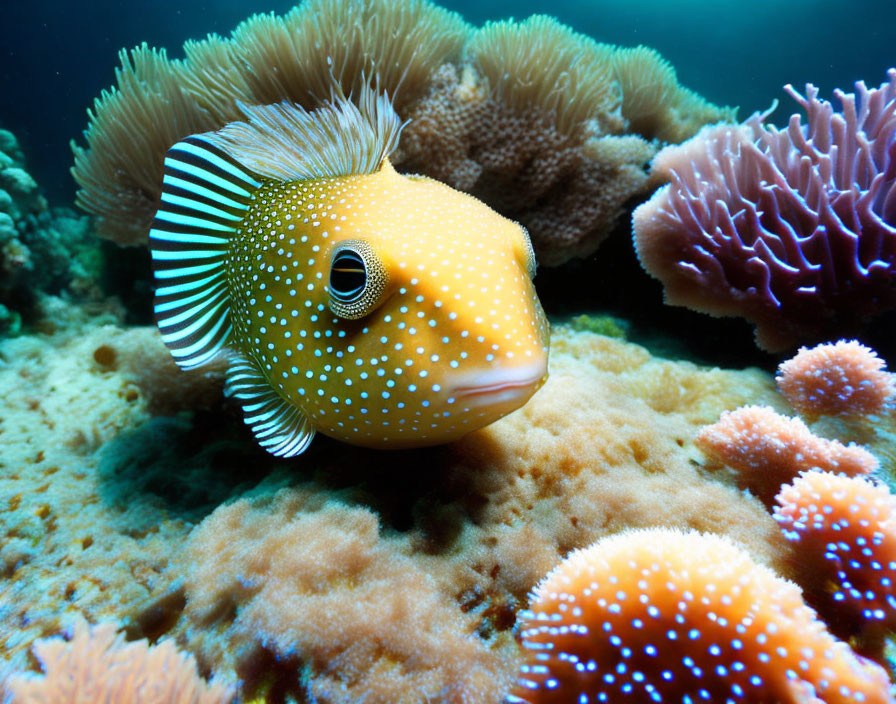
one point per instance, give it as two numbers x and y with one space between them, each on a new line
768 450
664 616
845 531
98 666
793 229
843 378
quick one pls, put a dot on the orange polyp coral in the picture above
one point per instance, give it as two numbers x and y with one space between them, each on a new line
841 378
659 615
768 449
845 528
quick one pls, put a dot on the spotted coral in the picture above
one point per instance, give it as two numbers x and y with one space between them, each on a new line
96 665
768 449
792 229
514 112
844 529
662 615
841 378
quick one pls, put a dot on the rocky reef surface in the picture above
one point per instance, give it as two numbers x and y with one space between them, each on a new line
131 492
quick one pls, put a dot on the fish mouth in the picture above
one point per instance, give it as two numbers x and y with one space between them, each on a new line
501 387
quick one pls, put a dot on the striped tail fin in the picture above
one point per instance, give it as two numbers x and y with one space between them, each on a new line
205 194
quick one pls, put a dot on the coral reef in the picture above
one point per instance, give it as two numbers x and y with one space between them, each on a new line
41 249
791 229
269 592
843 378
604 624
547 126
604 445
844 530
95 665
133 498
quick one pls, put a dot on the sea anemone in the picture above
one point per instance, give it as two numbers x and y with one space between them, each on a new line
793 229
660 615
843 378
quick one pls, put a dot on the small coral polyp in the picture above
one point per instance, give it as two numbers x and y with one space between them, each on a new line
768 450
842 378
846 536
659 615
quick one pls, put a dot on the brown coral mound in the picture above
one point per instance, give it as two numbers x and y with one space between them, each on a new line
95 665
566 188
317 584
514 112
312 571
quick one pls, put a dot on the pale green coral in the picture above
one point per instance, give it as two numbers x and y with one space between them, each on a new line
42 249
600 325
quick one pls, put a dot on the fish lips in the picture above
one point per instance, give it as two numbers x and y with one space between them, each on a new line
500 389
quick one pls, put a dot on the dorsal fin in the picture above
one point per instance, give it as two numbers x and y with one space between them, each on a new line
205 193
286 142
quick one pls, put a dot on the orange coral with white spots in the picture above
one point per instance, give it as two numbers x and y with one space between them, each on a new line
845 530
768 449
660 615
840 378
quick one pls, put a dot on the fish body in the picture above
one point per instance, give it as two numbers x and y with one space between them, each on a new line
380 309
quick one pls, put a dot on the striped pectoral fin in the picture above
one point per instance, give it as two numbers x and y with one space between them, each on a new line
279 426
205 194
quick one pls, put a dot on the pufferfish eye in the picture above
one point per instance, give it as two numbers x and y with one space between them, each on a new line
357 279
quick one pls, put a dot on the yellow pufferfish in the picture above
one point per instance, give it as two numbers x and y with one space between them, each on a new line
380 309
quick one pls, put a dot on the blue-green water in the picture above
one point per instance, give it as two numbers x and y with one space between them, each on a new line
56 57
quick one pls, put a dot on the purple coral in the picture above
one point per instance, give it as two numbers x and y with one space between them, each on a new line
793 229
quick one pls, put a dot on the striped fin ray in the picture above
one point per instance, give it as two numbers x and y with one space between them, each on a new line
205 193
279 427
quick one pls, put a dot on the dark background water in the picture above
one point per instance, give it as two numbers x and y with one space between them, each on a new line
55 57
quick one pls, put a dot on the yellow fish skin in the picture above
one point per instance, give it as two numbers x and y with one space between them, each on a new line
380 309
